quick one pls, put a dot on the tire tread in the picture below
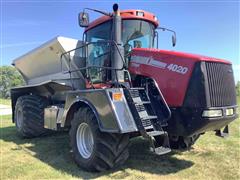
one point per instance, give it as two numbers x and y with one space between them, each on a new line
33 115
111 149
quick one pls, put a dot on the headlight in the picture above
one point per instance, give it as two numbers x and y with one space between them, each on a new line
212 113
229 112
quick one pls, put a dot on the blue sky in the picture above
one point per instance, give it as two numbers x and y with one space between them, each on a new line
203 27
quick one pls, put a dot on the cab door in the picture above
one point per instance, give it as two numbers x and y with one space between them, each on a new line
99 55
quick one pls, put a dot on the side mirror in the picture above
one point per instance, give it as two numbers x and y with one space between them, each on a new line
174 40
83 19
174 36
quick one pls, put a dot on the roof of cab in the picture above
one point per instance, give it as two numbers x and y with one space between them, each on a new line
127 14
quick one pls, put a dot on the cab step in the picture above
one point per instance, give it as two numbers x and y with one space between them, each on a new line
161 150
147 121
160 147
155 133
149 117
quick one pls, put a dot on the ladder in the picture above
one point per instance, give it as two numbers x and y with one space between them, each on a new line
149 122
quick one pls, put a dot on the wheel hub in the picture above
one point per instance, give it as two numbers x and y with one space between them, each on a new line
84 138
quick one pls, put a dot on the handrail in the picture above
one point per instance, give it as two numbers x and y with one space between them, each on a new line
96 67
89 43
91 67
163 99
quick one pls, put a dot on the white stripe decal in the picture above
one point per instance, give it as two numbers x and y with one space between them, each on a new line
147 61
136 61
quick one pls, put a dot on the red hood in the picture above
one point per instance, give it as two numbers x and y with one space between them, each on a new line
171 70
180 55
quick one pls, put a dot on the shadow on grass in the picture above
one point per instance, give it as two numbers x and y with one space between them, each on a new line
55 151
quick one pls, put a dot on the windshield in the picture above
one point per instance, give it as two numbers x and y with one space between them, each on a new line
101 32
137 34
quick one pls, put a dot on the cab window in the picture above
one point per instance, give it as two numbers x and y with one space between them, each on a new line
98 54
137 34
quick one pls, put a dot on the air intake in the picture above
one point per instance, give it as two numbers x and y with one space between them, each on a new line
221 84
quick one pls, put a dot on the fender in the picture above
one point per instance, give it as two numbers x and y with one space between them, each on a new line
79 103
45 89
113 116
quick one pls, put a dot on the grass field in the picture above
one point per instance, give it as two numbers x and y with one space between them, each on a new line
5 101
50 158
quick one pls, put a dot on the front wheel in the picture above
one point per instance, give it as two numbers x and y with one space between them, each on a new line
94 150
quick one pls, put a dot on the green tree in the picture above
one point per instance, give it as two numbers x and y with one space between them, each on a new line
238 88
10 77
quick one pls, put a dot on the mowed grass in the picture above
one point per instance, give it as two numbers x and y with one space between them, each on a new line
5 101
50 158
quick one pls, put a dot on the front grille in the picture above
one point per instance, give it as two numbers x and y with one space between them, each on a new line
221 84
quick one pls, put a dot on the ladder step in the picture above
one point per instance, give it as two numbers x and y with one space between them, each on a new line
137 100
143 115
155 133
140 107
148 127
148 117
137 88
146 123
162 150
143 102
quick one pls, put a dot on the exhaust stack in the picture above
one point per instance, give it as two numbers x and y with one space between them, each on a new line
116 60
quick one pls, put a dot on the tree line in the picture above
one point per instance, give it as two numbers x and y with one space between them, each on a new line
10 77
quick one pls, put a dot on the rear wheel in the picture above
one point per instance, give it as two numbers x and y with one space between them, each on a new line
94 150
29 116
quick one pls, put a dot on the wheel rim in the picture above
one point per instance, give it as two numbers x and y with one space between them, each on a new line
84 139
19 118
